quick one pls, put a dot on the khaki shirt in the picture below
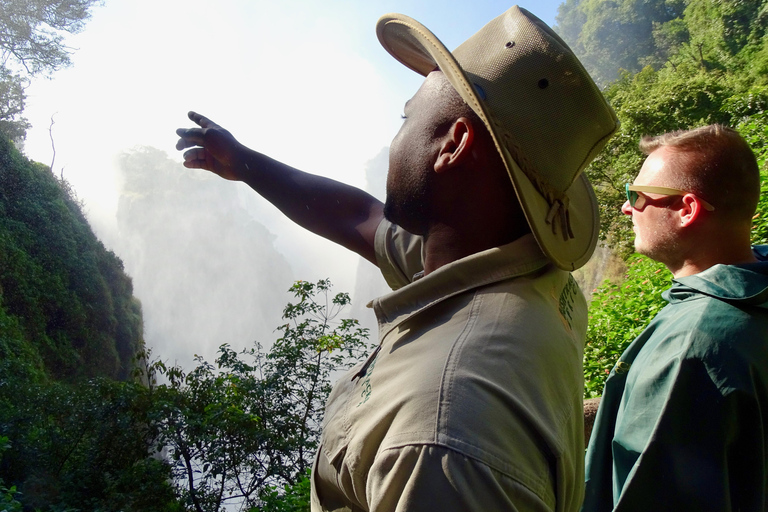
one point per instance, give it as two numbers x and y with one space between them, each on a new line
473 400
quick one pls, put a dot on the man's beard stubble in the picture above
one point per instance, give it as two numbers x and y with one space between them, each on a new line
409 208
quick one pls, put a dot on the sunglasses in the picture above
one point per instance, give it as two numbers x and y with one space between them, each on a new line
638 201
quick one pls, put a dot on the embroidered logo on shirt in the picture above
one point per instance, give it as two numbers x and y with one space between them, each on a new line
365 384
567 299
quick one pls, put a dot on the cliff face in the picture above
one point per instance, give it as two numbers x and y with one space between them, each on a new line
66 305
206 270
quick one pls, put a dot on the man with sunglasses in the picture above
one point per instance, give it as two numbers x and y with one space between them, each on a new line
683 422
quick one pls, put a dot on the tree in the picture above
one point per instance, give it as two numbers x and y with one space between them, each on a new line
712 67
649 103
12 99
715 71
613 35
619 311
8 500
721 30
245 430
87 446
32 43
291 498
242 430
755 131
31 32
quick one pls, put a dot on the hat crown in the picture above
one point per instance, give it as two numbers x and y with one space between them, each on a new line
547 117
542 104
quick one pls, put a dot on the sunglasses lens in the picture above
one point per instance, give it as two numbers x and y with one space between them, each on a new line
636 201
631 195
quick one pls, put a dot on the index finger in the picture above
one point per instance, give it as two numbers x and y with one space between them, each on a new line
201 120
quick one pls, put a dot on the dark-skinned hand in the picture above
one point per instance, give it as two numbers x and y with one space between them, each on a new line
213 148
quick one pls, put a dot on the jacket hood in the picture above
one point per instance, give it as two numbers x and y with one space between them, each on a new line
745 285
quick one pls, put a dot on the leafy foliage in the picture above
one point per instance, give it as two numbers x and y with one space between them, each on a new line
293 498
63 296
652 102
649 102
612 35
82 447
12 102
242 429
618 313
32 43
755 131
32 31
8 500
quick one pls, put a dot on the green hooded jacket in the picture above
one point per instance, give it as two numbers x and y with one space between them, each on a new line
683 422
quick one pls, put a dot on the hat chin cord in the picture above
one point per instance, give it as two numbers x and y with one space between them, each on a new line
558 202
559 208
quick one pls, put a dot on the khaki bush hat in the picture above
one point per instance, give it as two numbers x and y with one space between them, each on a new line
545 114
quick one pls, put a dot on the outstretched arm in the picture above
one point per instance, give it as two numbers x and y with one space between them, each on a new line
341 213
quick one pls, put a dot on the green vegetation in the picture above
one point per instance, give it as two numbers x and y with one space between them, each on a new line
65 300
83 446
245 429
242 430
713 71
84 427
70 329
621 309
617 314
293 498
32 44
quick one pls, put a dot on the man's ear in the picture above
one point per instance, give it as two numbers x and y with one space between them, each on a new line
456 145
691 209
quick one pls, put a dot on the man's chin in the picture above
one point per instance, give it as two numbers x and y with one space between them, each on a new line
638 245
407 222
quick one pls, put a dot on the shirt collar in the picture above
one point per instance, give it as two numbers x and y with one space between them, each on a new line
519 258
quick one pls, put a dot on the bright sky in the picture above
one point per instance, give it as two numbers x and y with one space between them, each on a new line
305 82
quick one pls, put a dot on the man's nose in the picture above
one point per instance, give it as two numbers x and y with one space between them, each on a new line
626 209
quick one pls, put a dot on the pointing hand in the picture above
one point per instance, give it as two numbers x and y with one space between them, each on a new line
212 148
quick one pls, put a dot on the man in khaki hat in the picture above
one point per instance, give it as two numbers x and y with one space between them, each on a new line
473 398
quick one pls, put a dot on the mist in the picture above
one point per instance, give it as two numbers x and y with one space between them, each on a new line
208 262
305 83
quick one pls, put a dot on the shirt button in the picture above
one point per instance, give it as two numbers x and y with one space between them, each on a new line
621 367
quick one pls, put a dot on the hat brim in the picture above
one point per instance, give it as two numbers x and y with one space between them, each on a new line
419 49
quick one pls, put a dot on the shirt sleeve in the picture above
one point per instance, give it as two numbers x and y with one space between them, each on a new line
428 477
398 254
706 451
